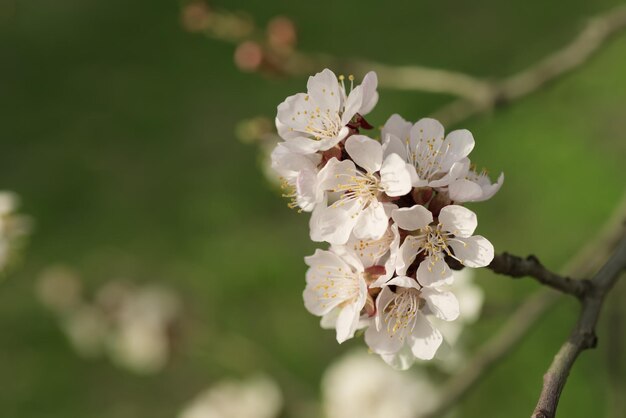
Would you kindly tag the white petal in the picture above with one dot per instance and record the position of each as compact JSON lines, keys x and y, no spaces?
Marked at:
{"x":365,"y":152}
{"x":370,"y":95}
{"x":323,"y":88}
{"x":474,"y":251}
{"x":381,"y":342}
{"x":464,"y":190}
{"x":407,"y":253}
{"x":347,"y":322}
{"x":436,"y":274}
{"x":372,"y":222}
{"x":426,"y":129}
{"x":352,"y":105}
{"x":334,"y":224}
{"x":413,"y":218}
{"x":393,"y":145}
{"x":403,"y":281}
{"x":444,"y":305}
{"x":397,"y":127}
{"x":307,"y":190}
{"x":329,"y":321}
{"x":335,"y":173}
{"x":458,"y":145}
{"x":302,"y":145}
{"x":459,"y":220}
{"x":395,"y":176}
{"x":425,"y":340}
{"x":402,"y":360}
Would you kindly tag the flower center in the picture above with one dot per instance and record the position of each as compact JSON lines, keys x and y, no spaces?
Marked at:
{"x":336,"y":283}
{"x":427,"y":156}
{"x":323,"y":125}
{"x":364,"y":187}
{"x":400,"y":312}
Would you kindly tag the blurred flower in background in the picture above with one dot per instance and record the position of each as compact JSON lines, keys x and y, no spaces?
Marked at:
{"x":362,"y":385}
{"x":14,"y":228}
{"x":255,"y":397}
{"x":131,"y":324}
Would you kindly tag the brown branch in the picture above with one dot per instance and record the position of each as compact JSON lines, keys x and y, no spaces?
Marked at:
{"x":516,"y":267}
{"x":583,"y":335}
{"x":595,"y":34}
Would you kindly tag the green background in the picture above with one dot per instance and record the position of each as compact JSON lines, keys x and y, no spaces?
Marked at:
{"x":117,"y":128}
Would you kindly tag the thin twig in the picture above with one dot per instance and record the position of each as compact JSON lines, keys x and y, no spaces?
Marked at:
{"x":514,"y":266}
{"x":583,"y":335}
{"x":595,"y":34}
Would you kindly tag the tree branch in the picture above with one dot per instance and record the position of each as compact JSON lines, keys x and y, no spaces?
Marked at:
{"x":583,"y":335}
{"x":516,"y":267}
{"x":595,"y":34}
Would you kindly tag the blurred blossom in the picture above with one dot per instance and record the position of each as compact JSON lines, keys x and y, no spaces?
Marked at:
{"x":86,"y":328}
{"x":281,"y":33}
{"x":248,"y":56}
{"x":256,"y":397}
{"x":140,"y":340}
{"x":13,"y":228}
{"x":196,"y":16}
{"x":131,"y":324}
{"x":59,"y":289}
{"x":362,"y":385}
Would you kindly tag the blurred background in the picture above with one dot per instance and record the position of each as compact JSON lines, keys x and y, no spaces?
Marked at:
{"x":163,"y":269}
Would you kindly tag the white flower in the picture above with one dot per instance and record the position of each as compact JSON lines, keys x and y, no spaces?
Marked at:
{"x":358,"y":208}
{"x":299,"y":177}
{"x":336,"y":290}
{"x":451,"y":236}
{"x":256,"y":397}
{"x":361,"y":385}
{"x":401,"y":331}
{"x":437,"y":161}
{"x":474,"y":187}
{"x":317,"y":120}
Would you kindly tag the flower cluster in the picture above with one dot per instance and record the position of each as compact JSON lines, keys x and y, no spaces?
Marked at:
{"x":390,"y":210}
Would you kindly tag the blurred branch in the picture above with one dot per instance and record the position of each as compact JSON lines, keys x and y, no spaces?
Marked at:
{"x":516,"y":267}
{"x":595,"y":34}
{"x":273,"y":51}
{"x":583,"y":335}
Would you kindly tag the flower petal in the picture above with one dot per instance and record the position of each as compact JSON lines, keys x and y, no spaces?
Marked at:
{"x":372,"y":222}
{"x":398,"y":127}
{"x":474,"y":251}
{"x":413,"y":218}
{"x":407,"y":253}
{"x":402,"y":360}
{"x":426,"y":129}
{"x":425,"y":339}
{"x":434,"y":273}
{"x":365,"y":152}
{"x":323,"y":88}
{"x":395,"y":176}
{"x":393,"y":145}
{"x":459,"y":220}
{"x":370,"y":95}
{"x":334,"y":224}
{"x":457,"y":145}
{"x":463,"y":190}
{"x":347,"y":322}
{"x":444,"y":305}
